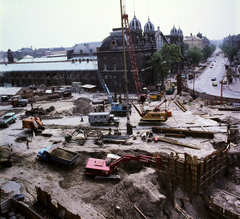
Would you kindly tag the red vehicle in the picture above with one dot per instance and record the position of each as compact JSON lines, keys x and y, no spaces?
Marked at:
{"x":99,"y":167}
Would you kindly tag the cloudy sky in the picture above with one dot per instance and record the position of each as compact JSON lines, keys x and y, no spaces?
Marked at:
{"x":56,"y":23}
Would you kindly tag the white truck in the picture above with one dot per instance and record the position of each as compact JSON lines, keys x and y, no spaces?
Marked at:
{"x":102,"y":118}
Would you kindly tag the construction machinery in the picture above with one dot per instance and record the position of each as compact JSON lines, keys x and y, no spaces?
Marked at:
{"x":155,"y":115}
{"x":33,"y":123}
{"x":170,"y":89}
{"x":57,"y":155}
{"x":39,"y":111}
{"x":118,"y":109}
{"x":99,"y":167}
{"x":77,"y":135}
{"x":157,"y":95}
{"x":18,"y":101}
{"x":142,"y":96}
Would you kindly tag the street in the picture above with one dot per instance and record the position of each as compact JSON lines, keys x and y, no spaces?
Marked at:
{"x":216,"y":68}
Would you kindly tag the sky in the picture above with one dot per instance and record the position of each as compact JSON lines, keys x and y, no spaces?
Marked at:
{"x":56,"y":23}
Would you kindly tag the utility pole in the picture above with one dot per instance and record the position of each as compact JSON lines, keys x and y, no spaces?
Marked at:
{"x":129,"y":126}
{"x":221,"y":91}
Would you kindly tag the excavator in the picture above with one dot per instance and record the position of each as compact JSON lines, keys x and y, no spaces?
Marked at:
{"x":154,"y":115}
{"x":99,"y":167}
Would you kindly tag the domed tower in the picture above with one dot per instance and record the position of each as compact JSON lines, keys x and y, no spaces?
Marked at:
{"x":174,"y":36}
{"x":136,"y":30}
{"x":199,"y":35}
{"x":174,"y":31}
{"x":149,"y":32}
{"x":10,"y":56}
{"x":180,"y":34}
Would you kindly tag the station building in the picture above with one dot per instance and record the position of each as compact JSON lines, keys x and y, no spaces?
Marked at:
{"x":83,"y":60}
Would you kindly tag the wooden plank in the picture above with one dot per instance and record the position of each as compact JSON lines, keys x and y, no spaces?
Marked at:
{"x":170,"y":141}
{"x":140,"y":212}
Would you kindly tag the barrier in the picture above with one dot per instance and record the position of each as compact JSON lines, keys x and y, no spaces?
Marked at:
{"x":205,"y":96}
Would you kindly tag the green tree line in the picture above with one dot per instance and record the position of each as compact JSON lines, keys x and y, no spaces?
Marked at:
{"x":162,"y":60}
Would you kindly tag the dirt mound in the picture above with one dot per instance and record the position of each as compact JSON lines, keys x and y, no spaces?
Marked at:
{"x":135,"y":191}
{"x":82,"y":106}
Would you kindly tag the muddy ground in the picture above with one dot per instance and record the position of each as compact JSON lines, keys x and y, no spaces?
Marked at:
{"x":140,"y":187}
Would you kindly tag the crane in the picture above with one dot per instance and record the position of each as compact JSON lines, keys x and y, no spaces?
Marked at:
{"x":118,"y":109}
{"x":142,"y":97}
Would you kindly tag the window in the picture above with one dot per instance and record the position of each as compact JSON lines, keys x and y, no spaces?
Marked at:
{"x":105,"y":67}
{"x":106,"y":77}
{"x":81,"y":51}
{"x":114,"y":67}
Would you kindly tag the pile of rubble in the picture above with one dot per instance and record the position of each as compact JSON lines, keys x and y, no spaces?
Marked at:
{"x":82,"y":106}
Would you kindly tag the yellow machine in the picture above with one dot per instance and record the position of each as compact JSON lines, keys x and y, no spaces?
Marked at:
{"x":154,"y":115}
{"x":156,"y":95}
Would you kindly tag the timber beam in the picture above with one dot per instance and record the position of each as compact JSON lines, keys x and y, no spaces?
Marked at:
{"x":192,"y":133}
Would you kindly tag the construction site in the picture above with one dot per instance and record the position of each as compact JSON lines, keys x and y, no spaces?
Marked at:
{"x":172,"y":153}
{"x":184,"y":167}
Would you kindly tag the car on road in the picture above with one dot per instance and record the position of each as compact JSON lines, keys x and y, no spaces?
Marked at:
{"x":214,"y":83}
{"x":224,"y":81}
{"x":213,"y":78}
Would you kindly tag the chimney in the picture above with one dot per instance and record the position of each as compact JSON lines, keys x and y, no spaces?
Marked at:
{"x":190,"y":34}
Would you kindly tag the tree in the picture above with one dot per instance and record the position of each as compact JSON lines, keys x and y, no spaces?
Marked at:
{"x":195,"y":55}
{"x":161,"y":60}
{"x":208,"y":51}
{"x":230,"y":51}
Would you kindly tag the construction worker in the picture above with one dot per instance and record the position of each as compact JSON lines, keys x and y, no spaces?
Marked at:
{"x":27,"y":143}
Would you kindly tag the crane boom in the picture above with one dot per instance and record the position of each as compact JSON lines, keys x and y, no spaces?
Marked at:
{"x":132,"y":55}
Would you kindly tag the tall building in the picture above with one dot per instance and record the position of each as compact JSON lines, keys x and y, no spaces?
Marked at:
{"x":110,"y":55}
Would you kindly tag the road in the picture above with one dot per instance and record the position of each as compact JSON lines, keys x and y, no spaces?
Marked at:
{"x":215,"y":68}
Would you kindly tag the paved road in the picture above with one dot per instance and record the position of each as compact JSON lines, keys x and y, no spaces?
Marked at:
{"x":215,"y":68}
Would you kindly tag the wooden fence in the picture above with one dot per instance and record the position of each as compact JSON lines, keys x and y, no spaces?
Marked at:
{"x":55,"y":208}
{"x":196,"y":175}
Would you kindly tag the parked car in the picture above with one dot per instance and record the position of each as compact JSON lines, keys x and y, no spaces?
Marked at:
{"x":7,"y":119}
{"x":214,"y":83}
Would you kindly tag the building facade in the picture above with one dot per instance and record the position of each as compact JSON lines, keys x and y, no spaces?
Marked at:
{"x":110,"y":55}
{"x":194,"y":41}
